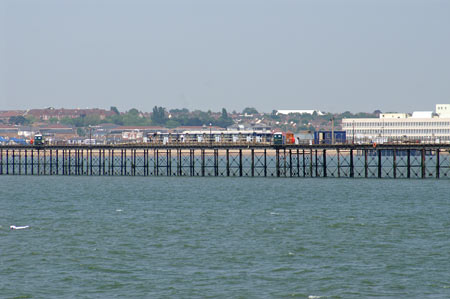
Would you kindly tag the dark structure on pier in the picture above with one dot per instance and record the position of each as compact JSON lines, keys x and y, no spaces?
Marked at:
{"x":345,"y":161}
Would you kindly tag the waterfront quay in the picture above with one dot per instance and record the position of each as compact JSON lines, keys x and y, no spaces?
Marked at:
{"x":226,"y":160}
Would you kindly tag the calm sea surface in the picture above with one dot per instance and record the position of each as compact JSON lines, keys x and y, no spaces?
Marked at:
{"x":106,"y":237}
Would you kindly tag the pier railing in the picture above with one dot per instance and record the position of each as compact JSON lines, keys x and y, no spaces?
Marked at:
{"x":252,"y":160}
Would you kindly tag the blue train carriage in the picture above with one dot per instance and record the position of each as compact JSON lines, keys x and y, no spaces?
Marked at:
{"x":38,"y":140}
{"x":278,"y":138}
{"x":325,"y":137}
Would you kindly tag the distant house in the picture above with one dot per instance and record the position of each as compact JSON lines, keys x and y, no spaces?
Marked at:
{"x":6,"y":115}
{"x":49,"y":113}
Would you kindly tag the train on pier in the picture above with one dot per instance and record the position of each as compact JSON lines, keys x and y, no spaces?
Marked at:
{"x":38,"y":140}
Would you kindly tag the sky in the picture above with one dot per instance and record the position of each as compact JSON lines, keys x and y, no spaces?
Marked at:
{"x":330,"y":55}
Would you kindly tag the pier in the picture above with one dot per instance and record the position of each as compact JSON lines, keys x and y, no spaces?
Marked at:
{"x":227,"y":160}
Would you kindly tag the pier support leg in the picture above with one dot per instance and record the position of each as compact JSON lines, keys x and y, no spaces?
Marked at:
{"x":20,"y":161}
{"x":133,"y":164}
{"x":90,"y":161}
{"x":81,"y":162}
{"x":324,"y":157}
{"x":69,"y":162}
{"x":240,"y":162}
{"x":13,"y":162}
{"x":290,"y":162}
{"x":304,"y":163}
{"x":228,"y":162}
{"x":100,"y":162}
{"x":26,"y":162}
{"x":316,"y":159}
{"x":366,"y":165}
{"x":157,"y":162}
{"x":438,"y":163}
{"x":121,"y":162}
{"x":408,"y":164}
{"x":278,"y":162}
{"x":169,"y":162}
{"x":379,"y":164}
{"x":352,"y":168}
{"x":423,"y":166}
{"x":191,"y":162}
{"x":203,"y":162}
{"x":38,"y":162}
{"x":265,"y":162}
{"x":103,"y":162}
{"x":51,"y":161}
{"x":394,"y":162}
{"x":112,"y":162}
{"x":216,"y":162}
{"x":178,"y":162}
{"x":64,"y":162}
{"x":338,"y":163}
{"x":253,"y":163}
{"x":125,"y":162}
{"x":44,"y":152}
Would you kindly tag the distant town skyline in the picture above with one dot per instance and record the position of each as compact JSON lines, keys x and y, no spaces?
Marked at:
{"x":431,"y":108}
{"x":332,"y":56}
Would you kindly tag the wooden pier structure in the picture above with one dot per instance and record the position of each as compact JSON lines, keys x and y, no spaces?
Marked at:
{"x":250,"y":160}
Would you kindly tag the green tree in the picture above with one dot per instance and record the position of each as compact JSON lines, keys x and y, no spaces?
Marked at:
{"x":224,"y":120}
{"x":31,"y":119}
{"x":172,"y":123}
{"x":134,"y":118}
{"x":224,"y":113}
{"x":81,"y":132}
{"x":18,"y":120}
{"x":184,"y":110}
{"x":134,"y":112}
{"x":115,"y":110}
{"x":53,"y":120}
{"x":249,"y":110}
{"x":159,"y":115}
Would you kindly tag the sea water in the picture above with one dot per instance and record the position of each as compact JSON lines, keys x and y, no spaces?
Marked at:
{"x":173,"y":237}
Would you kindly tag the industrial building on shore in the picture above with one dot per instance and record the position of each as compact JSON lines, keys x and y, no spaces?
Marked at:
{"x":421,"y":126}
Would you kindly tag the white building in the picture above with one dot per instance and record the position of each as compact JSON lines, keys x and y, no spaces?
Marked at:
{"x":299,"y":112}
{"x":421,"y":126}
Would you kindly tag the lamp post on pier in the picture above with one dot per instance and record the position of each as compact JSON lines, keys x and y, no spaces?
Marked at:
{"x":90,"y":135}
{"x":332,"y":131}
{"x":210,"y":134}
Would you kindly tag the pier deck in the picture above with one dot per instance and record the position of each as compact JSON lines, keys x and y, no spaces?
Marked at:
{"x":248,"y":159}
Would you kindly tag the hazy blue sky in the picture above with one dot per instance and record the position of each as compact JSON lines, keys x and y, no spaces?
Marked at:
{"x":356,"y":55}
